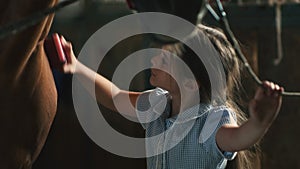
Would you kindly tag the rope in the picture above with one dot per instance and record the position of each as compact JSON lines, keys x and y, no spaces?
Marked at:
{"x":24,"y":23}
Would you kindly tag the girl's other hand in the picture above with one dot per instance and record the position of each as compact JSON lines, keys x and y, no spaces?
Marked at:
{"x":265,"y":105}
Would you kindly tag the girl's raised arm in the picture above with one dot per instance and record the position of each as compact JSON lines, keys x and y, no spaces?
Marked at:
{"x":107,"y":94}
{"x":263,"y":109}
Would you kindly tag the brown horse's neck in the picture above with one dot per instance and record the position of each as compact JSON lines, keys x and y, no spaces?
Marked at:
{"x":28,"y":96}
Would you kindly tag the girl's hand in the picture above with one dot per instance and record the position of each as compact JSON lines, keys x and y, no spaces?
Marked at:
{"x":70,"y":65}
{"x":266,"y":103}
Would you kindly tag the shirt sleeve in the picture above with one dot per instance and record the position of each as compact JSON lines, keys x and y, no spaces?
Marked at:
{"x":150,"y":106}
{"x":216,"y":119}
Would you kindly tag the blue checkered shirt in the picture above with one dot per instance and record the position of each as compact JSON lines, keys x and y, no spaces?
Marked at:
{"x":186,"y":141}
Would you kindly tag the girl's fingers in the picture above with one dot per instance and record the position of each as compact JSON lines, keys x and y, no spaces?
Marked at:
{"x":67,"y":46}
{"x":268,"y":89}
{"x":277,"y":90}
{"x":277,"y":87}
{"x":266,"y":86}
{"x":281,"y":89}
{"x":272,"y":89}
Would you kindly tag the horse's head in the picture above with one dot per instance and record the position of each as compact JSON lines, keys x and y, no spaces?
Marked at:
{"x":186,"y":9}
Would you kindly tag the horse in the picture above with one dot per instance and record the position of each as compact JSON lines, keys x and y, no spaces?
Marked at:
{"x":28,"y":97}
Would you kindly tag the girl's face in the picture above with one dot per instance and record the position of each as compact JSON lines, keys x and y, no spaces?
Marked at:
{"x":161,"y":65}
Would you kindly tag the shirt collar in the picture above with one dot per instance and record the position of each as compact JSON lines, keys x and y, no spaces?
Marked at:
{"x":191,"y":113}
{"x":163,"y":108}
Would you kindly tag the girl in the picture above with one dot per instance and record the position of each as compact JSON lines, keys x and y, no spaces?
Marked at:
{"x":187,"y":127}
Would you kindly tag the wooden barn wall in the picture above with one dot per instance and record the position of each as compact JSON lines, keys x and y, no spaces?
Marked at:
{"x":69,"y":147}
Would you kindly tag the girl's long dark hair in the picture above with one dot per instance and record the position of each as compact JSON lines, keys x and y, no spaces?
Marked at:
{"x":246,"y":159}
